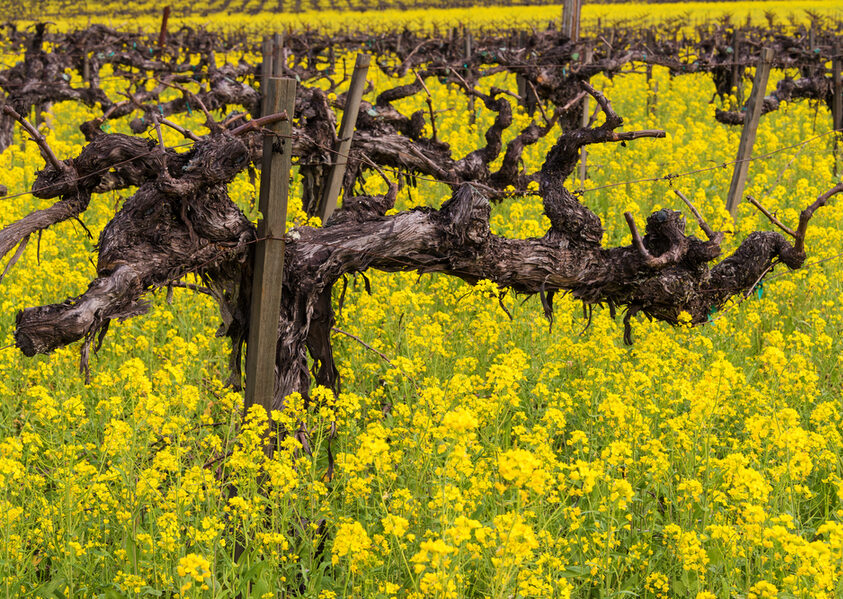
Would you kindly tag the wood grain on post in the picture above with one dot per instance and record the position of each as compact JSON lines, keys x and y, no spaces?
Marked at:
{"x":650,"y":102}
{"x":837,"y":103}
{"x":349,"y":120}
{"x":472,"y":112}
{"x":586,"y":108}
{"x":266,"y":72}
{"x":571,"y":19}
{"x":162,"y":36}
{"x":737,"y":72}
{"x":837,"y":106}
{"x":279,"y":56}
{"x":520,"y":80}
{"x":269,"y":249}
{"x":521,"y":88}
{"x":750,"y":127}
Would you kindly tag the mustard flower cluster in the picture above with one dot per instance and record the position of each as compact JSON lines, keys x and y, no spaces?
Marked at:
{"x":489,"y":456}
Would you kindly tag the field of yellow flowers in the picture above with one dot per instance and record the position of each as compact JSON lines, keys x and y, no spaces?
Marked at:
{"x":485,"y":457}
{"x":267,"y":16}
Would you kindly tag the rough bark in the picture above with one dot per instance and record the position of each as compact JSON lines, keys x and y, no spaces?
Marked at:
{"x":181,"y":221}
{"x":813,"y":88}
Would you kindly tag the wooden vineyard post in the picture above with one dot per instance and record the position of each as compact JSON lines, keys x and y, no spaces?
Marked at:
{"x":750,"y":127}
{"x":586,"y":108}
{"x":532,"y":99}
{"x":266,"y":72}
{"x":571,"y":19}
{"x":651,"y":92}
{"x":655,"y":101}
{"x":526,"y":94}
{"x":472,"y":111}
{"x":521,"y":88}
{"x":349,"y":120}
{"x":837,"y":104}
{"x":586,"y":105}
{"x":737,"y":71}
{"x":162,"y":35}
{"x":812,"y":38}
{"x":279,"y":55}
{"x":520,"y":80}
{"x":269,"y":248}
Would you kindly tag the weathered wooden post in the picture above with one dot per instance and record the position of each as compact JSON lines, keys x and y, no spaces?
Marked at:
{"x":526,"y":93}
{"x":532,"y":99}
{"x":280,"y":95}
{"x":266,"y":72}
{"x":521,"y":88}
{"x":586,"y":107}
{"x":349,"y":120}
{"x":467,"y":50}
{"x":650,"y":103}
{"x":737,"y":70}
{"x":571,"y":19}
{"x":162,"y":35}
{"x":750,"y":127}
{"x":654,"y":104}
{"x":836,"y":105}
{"x":279,"y":55}
{"x":520,"y":80}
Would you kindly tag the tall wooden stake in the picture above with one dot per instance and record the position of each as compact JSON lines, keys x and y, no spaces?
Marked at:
{"x":521,"y":88}
{"x":586,"y":107}
{"x":571,"y":19}
{"x":279,"y":55}
{"x":266,"y":72}
{"x":472,"y":111}
{"x":269,"y":249}
{"x":650,"y":102}
{"x":349,"y":120}
{"x":162,"y":36}
{"x":837,"y":104}
{"x":737,"y":71}
{"x":520,"y":80}
{"x":750,"y":127}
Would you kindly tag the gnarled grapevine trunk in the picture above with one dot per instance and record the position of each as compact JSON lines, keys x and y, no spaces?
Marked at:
{"x":181,"y":221}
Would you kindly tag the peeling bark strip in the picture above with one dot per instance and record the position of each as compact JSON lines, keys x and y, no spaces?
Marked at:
{"x":181,"y":220}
